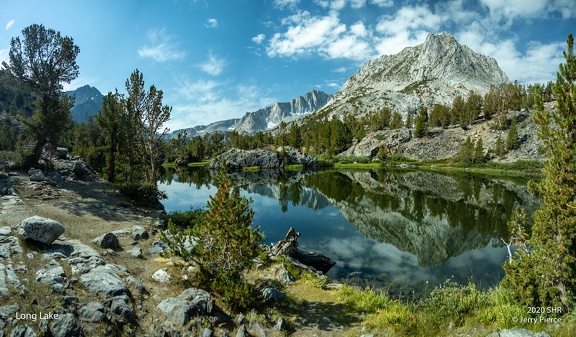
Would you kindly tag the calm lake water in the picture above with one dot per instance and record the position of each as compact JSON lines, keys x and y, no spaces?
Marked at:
{"x":401,"y":231}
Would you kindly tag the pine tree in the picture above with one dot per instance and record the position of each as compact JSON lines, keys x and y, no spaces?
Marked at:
{"x":544,"y":272}
{"x":409,"y":119}
{"x":499,"y":147}
{"x":512,"y":137}
{"x":421,"y":128}
{"x":396,"y":122}
{"x":225,"y":244}
{"x":479,"y":152}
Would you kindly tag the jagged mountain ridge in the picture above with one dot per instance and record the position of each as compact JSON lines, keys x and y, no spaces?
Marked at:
{"x":266,"y":118}
{"x":433,"y":72}
{"x":87,"y":102}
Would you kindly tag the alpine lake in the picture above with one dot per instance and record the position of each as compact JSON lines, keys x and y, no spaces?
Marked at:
{"x":401,"y":231}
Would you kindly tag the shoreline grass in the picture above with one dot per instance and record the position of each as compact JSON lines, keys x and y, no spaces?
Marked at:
{"x":199,"y":163}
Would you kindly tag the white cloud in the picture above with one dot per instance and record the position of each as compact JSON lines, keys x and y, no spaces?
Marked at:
{"x":382,"y":3}
{"x":258,"y":39}
{"x":214,"y":65}
{"x":340,"y":70}
{"x":326,"y":35}
{"x":286,"y":3}
{"x":207,"y":101}
{"x":409,"y":19}
{"x":305,"y":34}
{"x":160,"y":47}
{"x":212,"y":23}
{"x":538,"y":64}
{"x":511,"y":9}
{"x":4,"y":55}
{"x":9,"y":24}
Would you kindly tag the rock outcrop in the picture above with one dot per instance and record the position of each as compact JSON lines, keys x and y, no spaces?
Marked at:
{"x":262,"y":158}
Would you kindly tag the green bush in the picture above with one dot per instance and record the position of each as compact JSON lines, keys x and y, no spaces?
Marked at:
{"x":451,"y":301}
{"x":143,"y":194}
{"x":187,"y":218}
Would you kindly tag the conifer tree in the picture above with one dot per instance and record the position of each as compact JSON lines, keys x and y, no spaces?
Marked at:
{"x":544,"y":272}
{"x":409,"y":119}
{"x":420,"y":130}
{"x":499,"y":147}
{"x":479,"y":152}
{"x":512,"y":137}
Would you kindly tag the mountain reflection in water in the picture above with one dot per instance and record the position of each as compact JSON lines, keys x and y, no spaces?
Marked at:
{"x":402,"y":231}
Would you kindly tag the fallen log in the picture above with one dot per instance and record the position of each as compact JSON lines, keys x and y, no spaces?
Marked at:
{"x":289,"y":247}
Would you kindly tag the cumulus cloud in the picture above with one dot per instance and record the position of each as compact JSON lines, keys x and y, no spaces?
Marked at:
{"x":212,"y":23}
{"x":160,"y":47}
{"x":214,"y":65}
{"x":286,"y":3}
{"x":258,"y":39}
{"x":9,"y":24}
{"x":512,"y":9}
{"x":206,"y":101}
{"x":538,"y":64}
{"x":325,"y":35}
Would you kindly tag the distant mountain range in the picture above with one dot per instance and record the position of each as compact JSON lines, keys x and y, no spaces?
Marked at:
{"x":88,"y":101}
{"x":266,"y":118}
{"x":434,"y":72}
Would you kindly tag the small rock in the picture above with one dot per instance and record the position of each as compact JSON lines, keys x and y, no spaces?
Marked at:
{"x":257,"y":329}
{"x":279,"y":324}
{"x":93,"y":312}
{"x":23,"y":331}
{"x":38,"y":176}
{"x":41,"y":229}
{"x":206,"y":333}
{"x":65,"y":325}
{"x":136,"y":252}
{"x":133,"y":282}
{"x":109,"y":240}
{"x":139,"y":233}
{"x":272,"y":294}
{"x":158,"y":247}
{"x":162,"y":276}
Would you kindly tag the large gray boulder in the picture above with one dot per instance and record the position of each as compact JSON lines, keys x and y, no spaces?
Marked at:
{"x":104,"y":280}
{"x":41,"y":229}
{"x":190,"y":303}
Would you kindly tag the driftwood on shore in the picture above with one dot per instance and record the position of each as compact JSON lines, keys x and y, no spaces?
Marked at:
{"x":289,"y":247}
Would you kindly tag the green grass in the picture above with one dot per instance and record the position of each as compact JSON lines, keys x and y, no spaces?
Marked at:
{"x":449,"y":309}
{"x":169,"y":165}
{"x":294,"y":167}
{"x":199,"y":163}
{"x":251,"y":168}
{"x":362,"y":166}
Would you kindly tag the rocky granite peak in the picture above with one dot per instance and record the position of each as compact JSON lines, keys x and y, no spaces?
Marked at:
{"x":433,"y":72}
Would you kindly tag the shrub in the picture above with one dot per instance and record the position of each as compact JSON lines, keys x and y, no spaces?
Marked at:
{"x":223,"y":245}
{"x":186,"y":219}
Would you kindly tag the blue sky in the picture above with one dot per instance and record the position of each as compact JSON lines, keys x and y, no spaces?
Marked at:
{"x":219,"y":59}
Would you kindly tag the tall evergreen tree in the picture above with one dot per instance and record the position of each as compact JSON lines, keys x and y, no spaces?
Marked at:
{"x":544,"y":272}
{"x":512,"y":137}
{"x":44,"y":60}
{"x":109,"y":120}
{"x":421,"y":128}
